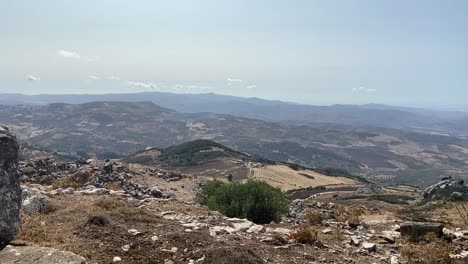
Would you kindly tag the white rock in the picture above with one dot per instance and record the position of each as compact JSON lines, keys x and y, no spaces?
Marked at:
{"x":35,"y":204}
{"x":133,"y":232}
{"x":394,"y":260}
{"x":126,"y":248}
{"x":69,"y":191}
{"x":327,"y":231}
{"x":242,"y":226}
{"x":218,"y":230}
{"x":256,"y":229}
{"x":369,"y":246}
{"x":117,"y":259}
{"x":95,"y":191}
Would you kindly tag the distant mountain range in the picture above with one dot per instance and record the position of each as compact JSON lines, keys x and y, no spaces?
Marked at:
{"x":356,"y":115}
{"x":118,"y":129}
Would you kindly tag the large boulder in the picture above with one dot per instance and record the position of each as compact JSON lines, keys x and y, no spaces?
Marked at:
{"x":10,"y":190}
{"x":416,"y":231}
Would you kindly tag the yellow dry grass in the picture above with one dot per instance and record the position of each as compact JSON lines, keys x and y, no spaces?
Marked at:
{"x":285,"y":178}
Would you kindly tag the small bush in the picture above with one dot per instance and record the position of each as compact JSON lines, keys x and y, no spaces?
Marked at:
{"x":314,"y":218}
{"x":305,"y":234}
{"x":436,"y":251}
{"x":254,"y":200}
{"x":97,"y":220}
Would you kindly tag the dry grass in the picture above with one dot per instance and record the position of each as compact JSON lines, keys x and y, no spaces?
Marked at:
{"x":108,"y":203}
{"x":463,"y":212}
{"x":436,"y":251}
{"x":314,"y":218}
{"x":305,"y":234}
{"x":286,"y":179}
{"x":344,"y":214}
{"x":115,"y":186}
{"x":75,"y":181}
{"x":37,"y":229}
{"x":338,"y":234}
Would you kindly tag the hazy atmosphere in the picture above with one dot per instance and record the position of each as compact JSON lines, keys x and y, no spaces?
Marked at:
{"x":234,"y":132}
{"x":409,"y":53}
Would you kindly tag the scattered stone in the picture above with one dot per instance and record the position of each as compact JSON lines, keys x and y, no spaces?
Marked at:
{"x":69,"y":191}
{"x":371,"y":247}
{"x":35,"y":204}
{"x":38,"y":255}
{"x":394,"y":260}
{"x":126,"y":248}
{"x":327,"y":231}
{"x":355,"y":241}
{"x":134,"y":232}
{"x":116,"y":259}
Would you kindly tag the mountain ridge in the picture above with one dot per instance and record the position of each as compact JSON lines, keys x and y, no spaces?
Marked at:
{"x":268,"y":110}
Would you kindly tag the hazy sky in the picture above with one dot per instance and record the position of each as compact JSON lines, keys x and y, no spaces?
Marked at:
{"x":404,"y":52}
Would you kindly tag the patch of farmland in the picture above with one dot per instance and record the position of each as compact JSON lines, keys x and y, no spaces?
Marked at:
{"x":286,"y":179}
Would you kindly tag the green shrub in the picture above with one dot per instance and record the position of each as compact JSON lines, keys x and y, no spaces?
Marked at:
{"x":254,"y":200}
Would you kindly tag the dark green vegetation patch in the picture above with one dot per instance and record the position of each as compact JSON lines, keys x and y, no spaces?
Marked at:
{"x":254,"y":200}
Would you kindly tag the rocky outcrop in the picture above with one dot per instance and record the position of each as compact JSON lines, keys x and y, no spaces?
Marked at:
{"x":369,"y":189}
{"x":447,"y":189}
{"x":10,"y":191}
{"x":38,"y":255}
{"x":94,"y":177}
{"x":416,"y":231}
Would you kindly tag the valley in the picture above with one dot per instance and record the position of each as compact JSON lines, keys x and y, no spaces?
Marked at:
{"x":119,"y":129}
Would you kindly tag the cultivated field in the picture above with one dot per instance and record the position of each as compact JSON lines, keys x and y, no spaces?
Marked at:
{"x":286,"y":179}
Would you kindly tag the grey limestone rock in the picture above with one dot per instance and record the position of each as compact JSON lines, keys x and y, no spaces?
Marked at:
{"x":10,"y":191}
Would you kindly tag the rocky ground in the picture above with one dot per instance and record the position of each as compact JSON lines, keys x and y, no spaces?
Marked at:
{"x":113,"y":212}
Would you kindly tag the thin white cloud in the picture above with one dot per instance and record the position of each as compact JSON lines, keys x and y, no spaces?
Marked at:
{"x":113,"y":78}
{"x":362,"y":89}
{"x":33,"y":78}
{"x":190,"y":88}
{"x":251,"y":86}
{"x":146,"y":85}
{"x":94,"y":77}
{"x":69,"y":54}
{"x":232,"y":80}
{"x":75,"y":55}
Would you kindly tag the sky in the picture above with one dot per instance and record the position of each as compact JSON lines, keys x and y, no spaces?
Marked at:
{"x":399,"y":52}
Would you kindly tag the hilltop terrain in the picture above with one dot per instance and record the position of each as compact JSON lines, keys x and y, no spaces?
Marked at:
{"x":118,"y":212}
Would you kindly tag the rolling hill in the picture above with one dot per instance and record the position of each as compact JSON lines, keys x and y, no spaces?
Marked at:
{"x":119,"y":129}
{"x":209,"y":159}
{"x":268,"y":110}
